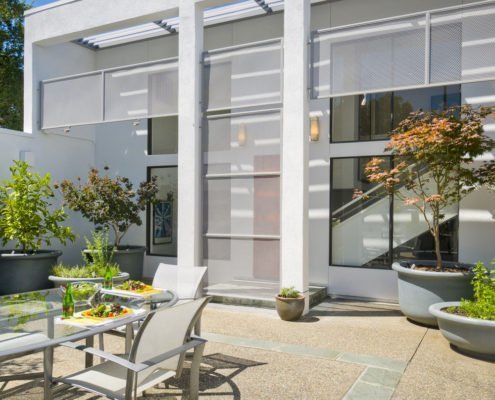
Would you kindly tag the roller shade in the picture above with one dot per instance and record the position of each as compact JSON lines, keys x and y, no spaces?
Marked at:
{"x":118,"y":94}
{"x":447,"y":46}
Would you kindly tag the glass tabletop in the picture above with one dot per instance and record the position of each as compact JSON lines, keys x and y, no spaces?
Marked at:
{"x":32,"y":321}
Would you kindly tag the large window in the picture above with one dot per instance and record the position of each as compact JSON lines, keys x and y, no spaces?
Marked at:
{"x":162,"y":216}
{"x":378,"y":231}
{"x":374,"y":116}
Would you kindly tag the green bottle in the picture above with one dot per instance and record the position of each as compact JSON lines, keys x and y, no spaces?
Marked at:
{"x":108,"y":278}
{"x":68,"y":302}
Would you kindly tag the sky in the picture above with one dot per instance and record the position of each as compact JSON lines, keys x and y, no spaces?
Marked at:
{"x":37,"y":3}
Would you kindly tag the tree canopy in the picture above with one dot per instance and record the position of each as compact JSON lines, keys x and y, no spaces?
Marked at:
{"x":11,"y":62}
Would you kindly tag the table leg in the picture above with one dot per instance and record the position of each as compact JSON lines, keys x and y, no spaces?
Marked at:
{"x":48,"y":372}
{"x":90,"y":340}
{"x":129,"y":334}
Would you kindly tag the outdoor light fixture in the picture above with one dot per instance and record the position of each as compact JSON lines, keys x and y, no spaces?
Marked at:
{"x":135,"y":123}
{"x":67,"y":130}
{"x":363,"y":102}
{"x":242,"y":135}
{"x":314,"y":129}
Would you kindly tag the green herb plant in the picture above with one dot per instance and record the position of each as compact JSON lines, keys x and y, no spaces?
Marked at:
{"x":83,"y":271}
{"x":27,"y":215}
{"x":289,"y":292}
{"x":99,"y":251}
{"x":483,"y":304}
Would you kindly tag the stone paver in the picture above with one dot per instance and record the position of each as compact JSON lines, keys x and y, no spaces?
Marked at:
{"x":339,"y":351}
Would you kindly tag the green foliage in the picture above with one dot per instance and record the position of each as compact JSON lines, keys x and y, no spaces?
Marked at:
{"x":110,"y":202}
{"x":28,"y":217}
{"x":11,"y":63}
{"x":99,"y":252}
{"x":289,"y":292}
{"x":445,"y":145}
{"x":84,"y":271}
{"x":483,"y":304}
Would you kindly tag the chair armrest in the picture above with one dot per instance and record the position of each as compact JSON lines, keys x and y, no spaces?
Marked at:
{"x":136,"y":367}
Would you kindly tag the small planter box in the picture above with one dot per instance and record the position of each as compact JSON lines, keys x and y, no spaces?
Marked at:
{"x":59,"y":281}
{"x":470,"y":335}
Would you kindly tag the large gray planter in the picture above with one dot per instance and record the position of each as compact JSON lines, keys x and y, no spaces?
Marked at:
{"x":59,"y":281}
{"x":130,"y":259}
{"x":470,"y":335}
{"x":26,"y":272}
{"x":418,"y":290}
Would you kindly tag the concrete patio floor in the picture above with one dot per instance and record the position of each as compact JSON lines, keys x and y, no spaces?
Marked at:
{"x":341,"y":350}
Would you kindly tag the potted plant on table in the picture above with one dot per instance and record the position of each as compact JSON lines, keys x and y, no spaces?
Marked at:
{"x":290,"y":304}
{"x":93,"y":270}
{"x":29,"y":219}
{"x":112,"y":203}
{"x":434,"y":168}
{"x":469,"y":325}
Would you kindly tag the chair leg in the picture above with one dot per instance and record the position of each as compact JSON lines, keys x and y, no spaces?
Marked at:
{"x":197,"y":327}
{"x":196,"y":363}
{"x":101,"y":345}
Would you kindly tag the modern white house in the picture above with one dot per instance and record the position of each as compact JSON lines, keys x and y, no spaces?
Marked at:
{"x":257,"y":117}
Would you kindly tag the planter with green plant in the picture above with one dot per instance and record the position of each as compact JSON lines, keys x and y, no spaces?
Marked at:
{"x":95,"y":264}
{"x":290,"y":304}
{"x":29,"y":220}
{"x":469,"y":325}
{"x":433,"y":169}
{"x":113,"y":204}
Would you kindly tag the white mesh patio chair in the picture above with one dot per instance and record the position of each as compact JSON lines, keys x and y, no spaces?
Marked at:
{"x":157,"y":354}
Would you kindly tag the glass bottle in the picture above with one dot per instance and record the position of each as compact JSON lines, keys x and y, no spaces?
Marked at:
{"x":107,"y":278}
{"x":68,"y":302}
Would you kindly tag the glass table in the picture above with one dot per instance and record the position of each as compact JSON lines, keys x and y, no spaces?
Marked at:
{"x":29,"y":322}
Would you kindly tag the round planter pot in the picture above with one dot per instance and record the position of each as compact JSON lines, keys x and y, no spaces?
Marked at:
{"x":290,"y":309}
{"x":130,"y":259}
{"x":472,"y":336}
{"x":59,"y":281}
{"x":418,"y":290}
{"x":26,"y":272}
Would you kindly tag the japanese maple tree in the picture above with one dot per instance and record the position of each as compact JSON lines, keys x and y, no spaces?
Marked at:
{"x":434,"y":162}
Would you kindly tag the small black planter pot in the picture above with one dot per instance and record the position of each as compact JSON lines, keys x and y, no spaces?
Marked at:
{"x":26,"y":272}
{"x":418,"y":290}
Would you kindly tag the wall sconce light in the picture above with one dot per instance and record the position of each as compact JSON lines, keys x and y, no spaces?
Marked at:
{"x":135,"y":123}
{"x":363,"y":102}
{"x":242,"y":135}
{"x":67,"y":130}
{"x":314,"y":129}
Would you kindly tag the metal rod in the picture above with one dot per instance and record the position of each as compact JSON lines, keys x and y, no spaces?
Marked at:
{"x":243,"y":113}
{"x":243,"y":46}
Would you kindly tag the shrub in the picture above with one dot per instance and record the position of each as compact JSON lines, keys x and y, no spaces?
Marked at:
{"x":28,"y":217}
{"x":109,"y":202}
{"x":483,"y":304}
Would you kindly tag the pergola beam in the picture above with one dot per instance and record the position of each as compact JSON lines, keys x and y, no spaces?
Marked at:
{"x":264,"y":6}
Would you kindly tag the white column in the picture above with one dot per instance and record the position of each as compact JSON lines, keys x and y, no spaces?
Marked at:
{"x":189,"y":244}
{"x":295,"y":148}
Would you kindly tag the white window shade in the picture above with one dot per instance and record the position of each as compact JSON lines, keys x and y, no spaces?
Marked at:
{"x":454,"y":45}
{"x":134,"y":92}
{"x":141,"y":92}
{"x":369,"y":58}
{"x":72,"y":101}
{"x":243,"y":76}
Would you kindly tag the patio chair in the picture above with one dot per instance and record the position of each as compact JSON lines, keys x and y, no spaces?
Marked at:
{"x":184,"y":281}
{"x":157,"y":354}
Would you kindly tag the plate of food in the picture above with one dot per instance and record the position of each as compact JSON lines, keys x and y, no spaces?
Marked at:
{"x":106,"y":312}
{"x":134,"y":288}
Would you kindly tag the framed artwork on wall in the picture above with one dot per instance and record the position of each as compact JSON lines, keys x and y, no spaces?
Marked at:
{"x":163,"y":222}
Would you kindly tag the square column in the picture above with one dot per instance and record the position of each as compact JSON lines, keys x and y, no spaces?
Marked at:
{"x":294,"y":268}
{"x":190,"y":227}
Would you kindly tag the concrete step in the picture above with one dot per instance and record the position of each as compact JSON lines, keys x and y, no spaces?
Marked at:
{"x":256,"y":293}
